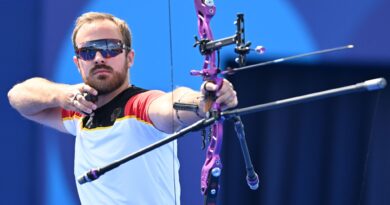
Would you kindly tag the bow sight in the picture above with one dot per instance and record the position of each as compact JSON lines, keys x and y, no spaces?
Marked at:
{"x":207,"y":46}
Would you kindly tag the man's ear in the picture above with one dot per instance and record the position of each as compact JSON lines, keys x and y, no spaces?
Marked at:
{"x":76,"y":62}
{"x":130,"y":58}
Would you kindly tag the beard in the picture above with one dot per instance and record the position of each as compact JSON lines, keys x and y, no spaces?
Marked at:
{"x":105,"y":84}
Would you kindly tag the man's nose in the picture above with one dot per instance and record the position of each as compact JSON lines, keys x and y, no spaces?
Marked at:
{"x":99,"y":59}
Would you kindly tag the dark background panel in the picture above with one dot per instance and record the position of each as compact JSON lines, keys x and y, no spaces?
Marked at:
{"x":331,"y":151}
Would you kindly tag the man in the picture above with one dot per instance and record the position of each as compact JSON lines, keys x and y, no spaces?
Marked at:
{"x":122,"y":119}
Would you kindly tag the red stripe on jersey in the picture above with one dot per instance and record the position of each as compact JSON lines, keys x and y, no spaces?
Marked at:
{"x":138,"y":105}
{"x":69,"y":114}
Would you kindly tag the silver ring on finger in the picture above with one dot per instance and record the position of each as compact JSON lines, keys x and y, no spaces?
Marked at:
{"x":74,"y":100}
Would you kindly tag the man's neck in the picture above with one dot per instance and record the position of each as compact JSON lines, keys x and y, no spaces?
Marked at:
{"x":104,"y":99}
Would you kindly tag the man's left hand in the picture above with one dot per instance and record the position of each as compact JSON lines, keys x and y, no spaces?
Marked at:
{"x":226,"y":96}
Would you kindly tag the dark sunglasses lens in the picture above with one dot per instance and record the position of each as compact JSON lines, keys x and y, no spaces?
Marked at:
{"x":107,"y":47}
{"x":87,"y":54}
{"x":108,"y":53}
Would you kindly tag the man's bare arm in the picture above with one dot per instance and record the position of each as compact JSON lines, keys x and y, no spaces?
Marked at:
{"x":166,"y":119}
{"x":41,"y":100}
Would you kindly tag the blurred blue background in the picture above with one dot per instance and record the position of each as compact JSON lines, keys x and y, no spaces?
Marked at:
{"x":331,"y":152}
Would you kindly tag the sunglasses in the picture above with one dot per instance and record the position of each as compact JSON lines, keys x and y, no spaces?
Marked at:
{"x":108,"y":48}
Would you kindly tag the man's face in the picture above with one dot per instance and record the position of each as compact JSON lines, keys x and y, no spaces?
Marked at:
{"x":103,"y":74}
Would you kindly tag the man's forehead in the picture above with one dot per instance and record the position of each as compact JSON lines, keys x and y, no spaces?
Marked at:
{"x":99,"y":29}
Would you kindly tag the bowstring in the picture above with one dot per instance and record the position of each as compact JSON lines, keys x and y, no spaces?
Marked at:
{"x":172,"y":87}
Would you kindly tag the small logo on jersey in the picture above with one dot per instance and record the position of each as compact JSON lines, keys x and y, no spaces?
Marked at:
{"x":115,"y":114}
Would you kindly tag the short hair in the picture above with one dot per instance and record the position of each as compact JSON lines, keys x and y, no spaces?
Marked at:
{"x":90,"y":17}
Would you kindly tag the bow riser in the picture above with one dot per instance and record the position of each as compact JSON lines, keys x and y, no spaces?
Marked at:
{"x":212,"y":167}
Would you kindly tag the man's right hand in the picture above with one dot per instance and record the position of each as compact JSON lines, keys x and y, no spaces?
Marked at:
{"x":74,"y":98}
{"x":41,"y":100}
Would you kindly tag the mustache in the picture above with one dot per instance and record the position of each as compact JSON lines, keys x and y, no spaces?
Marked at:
{"x":96,"y":67}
